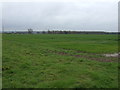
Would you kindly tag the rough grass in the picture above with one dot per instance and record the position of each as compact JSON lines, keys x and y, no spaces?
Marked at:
{"x":0,"y":61}
{"x":49,"y":61}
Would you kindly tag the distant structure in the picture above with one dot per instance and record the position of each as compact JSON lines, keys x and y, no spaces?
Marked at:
{"x":2,"y":29}
{"x":30,"y":31}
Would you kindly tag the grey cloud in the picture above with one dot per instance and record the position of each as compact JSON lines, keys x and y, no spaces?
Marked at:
{"x":54,"y":15}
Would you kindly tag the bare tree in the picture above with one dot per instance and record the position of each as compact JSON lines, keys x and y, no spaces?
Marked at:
{"x":30,"y":31}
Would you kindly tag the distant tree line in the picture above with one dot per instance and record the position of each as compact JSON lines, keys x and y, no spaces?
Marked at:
{"x":78,"y":32}
{"x":30,"y":31}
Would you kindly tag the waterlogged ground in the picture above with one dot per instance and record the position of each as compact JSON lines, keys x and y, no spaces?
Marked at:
{"x":59,"y":61}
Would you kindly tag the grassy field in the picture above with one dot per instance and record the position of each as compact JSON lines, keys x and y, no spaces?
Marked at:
{"x":59,"y":61}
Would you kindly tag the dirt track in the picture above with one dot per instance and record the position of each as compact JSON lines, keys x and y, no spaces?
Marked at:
{"x":89,"y":56}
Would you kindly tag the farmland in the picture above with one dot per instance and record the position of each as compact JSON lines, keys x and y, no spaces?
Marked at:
{"x":59,"y":61}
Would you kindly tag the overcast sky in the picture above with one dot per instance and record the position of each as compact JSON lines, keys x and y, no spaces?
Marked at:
{"x":75,"y":15}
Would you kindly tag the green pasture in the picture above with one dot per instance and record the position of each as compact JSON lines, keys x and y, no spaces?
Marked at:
{"x":59,"y":61}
